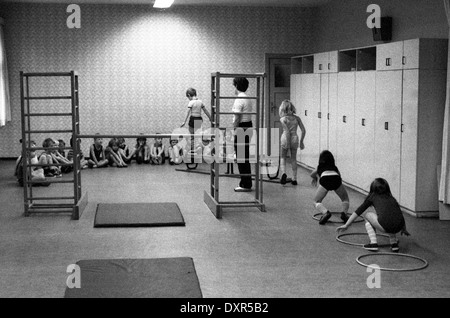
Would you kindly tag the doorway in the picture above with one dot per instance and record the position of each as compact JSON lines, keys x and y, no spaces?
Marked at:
{"x":278,"y":70}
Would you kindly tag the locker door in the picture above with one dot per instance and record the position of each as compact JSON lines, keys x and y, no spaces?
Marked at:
{"x":321,"y":63}
{"x":311,"y":94}
{"x":345,"y":126}
{"x":387,"y":128}
{"x":410,"y":119}
{"x":332,"y":112}
{"x":323,"y":112}
{"x":390,"y":56}
{"x":365,"y":103}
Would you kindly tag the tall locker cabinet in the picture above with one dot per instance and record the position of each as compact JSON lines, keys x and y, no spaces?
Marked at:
{"x":388,"y":117}
{"x":345,"y":126}
{"x":423,"y":113}
{"x":310,"y":101}
{"x":364,"y":134}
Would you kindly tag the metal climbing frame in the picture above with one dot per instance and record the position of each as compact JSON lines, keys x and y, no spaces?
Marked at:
{"x":212,"y":199}
{"x":31,"y":204}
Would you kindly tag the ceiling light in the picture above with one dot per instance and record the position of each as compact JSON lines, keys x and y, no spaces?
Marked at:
{"x":163,"y":4}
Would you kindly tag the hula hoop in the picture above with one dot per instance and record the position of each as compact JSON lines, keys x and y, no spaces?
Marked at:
{"x":317,"y":218}
{"x":425,"y":263}
{"x":338,"y":238}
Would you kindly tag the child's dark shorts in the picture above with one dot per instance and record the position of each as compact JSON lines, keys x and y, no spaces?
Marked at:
{"x":331,"y":183}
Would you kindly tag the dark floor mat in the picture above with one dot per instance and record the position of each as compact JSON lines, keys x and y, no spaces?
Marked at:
{"x":137,"y":278}
{"x":138,"y":215}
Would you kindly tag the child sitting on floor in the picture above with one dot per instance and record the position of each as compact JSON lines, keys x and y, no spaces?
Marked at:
{"x":176,"y":151}
{"x":82,"y":162}
{"x":113,"y":156}
{"x":158,"y":152}
{"x":124,"y":151}
{"x":97,"y":154}
{"x":47,"y":159}
{"x":142,"y":151}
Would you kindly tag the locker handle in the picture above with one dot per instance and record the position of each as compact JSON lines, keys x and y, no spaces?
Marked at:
{"x":329,"y":66}
{"x":363,"y":122}
{"x":386,"y":126}
{"x":402,"y":129}
{"x":388,"y":61}
{"x":320,"y":67}
{"x":344,"y":119}
{"x":404,"y":60}
{"x":328,"y":116}
{"x":306,"y":113}
{"x":319,"y":115}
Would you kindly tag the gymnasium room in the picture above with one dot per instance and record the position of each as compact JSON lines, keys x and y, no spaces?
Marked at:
{"x":224,"y":149}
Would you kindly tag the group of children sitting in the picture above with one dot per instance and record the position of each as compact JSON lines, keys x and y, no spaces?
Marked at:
{"x":118,"y":154}
{"x":57,"y":159}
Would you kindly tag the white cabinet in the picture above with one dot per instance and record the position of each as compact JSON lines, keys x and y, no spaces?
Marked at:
{"x":388,"y":128}
{"x":323,"y":113}
{"x":384,"y":123}
{"x":345,"y":125}
{"x":390,"y":56}
{"x":310,"y":101}
{"x":426,"y":54}
{"x":326,"y":62}
{"x":332,"y":115}
{"x":364,"y":133}
{"x":422,"y":126}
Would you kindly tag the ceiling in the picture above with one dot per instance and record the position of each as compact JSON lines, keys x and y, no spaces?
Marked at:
{"x":277,"y":3}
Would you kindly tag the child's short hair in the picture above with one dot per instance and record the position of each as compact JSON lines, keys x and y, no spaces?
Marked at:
{"x":241,"y":84}
{"x":191,"y":92}
{"x":61,"y":142}
{"x":48,"y":143}
{"x":97,"y":138}
{"x":121,"y":140}
{"x":143,"y":139}
{"x":113,"y":143}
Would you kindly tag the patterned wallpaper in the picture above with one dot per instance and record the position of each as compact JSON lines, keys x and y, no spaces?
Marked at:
{"x":135,"y":63}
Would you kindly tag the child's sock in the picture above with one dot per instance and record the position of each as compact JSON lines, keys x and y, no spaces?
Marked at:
{"x":345,"y":206}
{"x":393,"y":239}
{"x":371,"y":233}
{"x":321,"y":208}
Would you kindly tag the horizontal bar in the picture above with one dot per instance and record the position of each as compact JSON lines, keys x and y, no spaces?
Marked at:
{"x":48,"y":131}
{"x":237,"y":175}
{"x":49,"y":180}
{"x":64,"y":210}
{"x":51,"y":165}
{"x":256,"y":205}
{"x":47,"y":97}
{"x":235,"y":97}
{"x":48,"y":114}
{"x":51,"y":206}
{"x":50,"y":198}
{"x":175,"y":136}
{"x":228,"y":75}
{"x":233,"y":113}
{"x":51,"y":74}
{"x":239,"y":202}
{"x":47,"y":148}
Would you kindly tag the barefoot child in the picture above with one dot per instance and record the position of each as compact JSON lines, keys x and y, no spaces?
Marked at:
{"x":328,"y":178}
{"x":113,"y":156}
{"x":158,"y":152}
{"x":289,"y":139}
{"x":387,"y":219}
{"x":97,"y":154}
